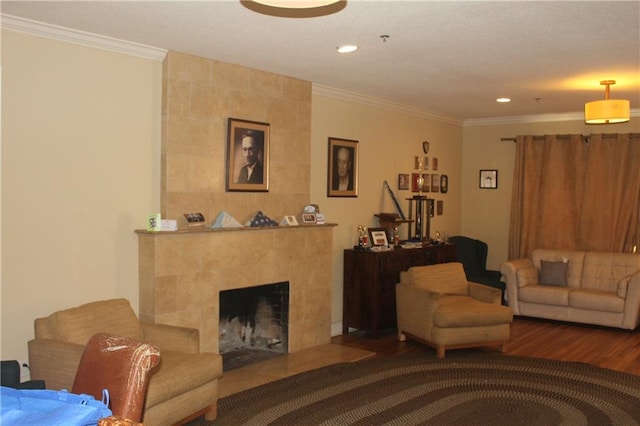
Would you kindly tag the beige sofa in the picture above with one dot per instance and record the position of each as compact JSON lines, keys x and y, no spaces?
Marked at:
{"x":436,"y":305}
{"x":576,"y":286}
{"x":184,"y":384}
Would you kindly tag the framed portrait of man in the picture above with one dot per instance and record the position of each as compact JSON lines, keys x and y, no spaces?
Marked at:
{"x":247,"y":155}
{"x":342,"y":175}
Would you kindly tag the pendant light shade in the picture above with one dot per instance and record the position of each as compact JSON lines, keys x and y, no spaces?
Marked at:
{"x":296,"y":4}
{"x":607,"y":111}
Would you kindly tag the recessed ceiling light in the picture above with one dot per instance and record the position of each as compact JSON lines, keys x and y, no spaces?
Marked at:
{"x":347,"y":48}
{"x":503,"y":100}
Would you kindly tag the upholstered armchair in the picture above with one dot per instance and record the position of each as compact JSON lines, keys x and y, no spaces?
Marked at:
{"x":436,"y":305}
{"x":472,"y":254}
{"x":184,"y":384}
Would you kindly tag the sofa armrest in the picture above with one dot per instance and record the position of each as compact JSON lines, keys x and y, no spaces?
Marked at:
{"x":54,"y":361}
{"x":509,"y":271}
{"x":415,"y":307}
{"x":485,"y":293}
{"x":172,"y":337}
{"x":631,"y":316}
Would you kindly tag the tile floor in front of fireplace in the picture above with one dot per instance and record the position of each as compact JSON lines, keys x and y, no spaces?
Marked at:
{"x":287,"y":365}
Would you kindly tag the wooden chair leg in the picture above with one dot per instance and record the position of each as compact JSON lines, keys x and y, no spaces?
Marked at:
{"x":212,"y":414}
{"x":440,"y":351}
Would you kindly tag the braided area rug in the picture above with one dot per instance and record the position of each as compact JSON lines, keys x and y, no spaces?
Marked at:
{"x":462,"y":389}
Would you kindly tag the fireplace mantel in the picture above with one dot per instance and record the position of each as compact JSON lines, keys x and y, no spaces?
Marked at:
{"x":182,"y":272}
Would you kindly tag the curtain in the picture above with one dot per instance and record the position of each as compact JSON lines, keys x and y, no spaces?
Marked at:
{"x":547,"y":192}
{"x":611,"y":206}
{"x":568,"y":194}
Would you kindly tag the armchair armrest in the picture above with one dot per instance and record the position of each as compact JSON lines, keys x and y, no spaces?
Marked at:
{"x":54,"y":361}
{"x":415,"y":307}
{"x":485,"y":293}
{"x":631,"y":316}
{"x":172,"y":337}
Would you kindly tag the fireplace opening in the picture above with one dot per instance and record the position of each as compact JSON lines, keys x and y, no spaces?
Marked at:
{"x":254,"y":324}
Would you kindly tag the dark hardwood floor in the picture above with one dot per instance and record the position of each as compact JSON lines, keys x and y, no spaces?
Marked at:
{"x":600,"y":346}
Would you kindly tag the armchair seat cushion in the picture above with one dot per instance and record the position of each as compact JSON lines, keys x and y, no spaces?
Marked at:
{"x":596,"y":300}
{"x":463,"y":311}
{"x":178,"y":373}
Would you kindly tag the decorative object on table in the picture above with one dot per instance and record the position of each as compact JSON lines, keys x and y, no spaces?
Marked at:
{"x":391,"y":222}
{"x":403,"y":181}
{"x":420,"y":180}
{"x":154,"y":222}
{"x":309,"y":213}
{"x":395,"y":200}
{"x":342,"y":173}
{"x":435,"y":182}
{"x":289,"y":220}
{"x":225,"y":220}
{"x":378,"y":237}
{"x":488,"y":179}
{"x":194,"y":219}
{"x":168,"y":225}
{"x":247,"y":155}
{"x":444,"y":184}
{"x":260,"y":220}
{"x":421,"y":218}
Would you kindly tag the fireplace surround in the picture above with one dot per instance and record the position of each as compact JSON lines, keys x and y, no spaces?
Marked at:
{"x":182,"y":273}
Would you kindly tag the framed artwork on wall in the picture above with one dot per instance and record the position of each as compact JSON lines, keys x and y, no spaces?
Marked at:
{"x":342,"y":174}
{"x":488,"y":179}
{"x":403,"y":181}
{"x":247,"y":155}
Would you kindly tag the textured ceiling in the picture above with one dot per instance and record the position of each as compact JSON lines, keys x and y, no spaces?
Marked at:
{"x":451,"y":58}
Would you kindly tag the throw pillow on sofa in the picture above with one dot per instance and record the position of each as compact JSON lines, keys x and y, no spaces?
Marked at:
{"x":553,"y":273}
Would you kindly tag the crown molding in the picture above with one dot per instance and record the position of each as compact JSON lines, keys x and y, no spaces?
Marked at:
{"x":536,"y":118}
{"x":55,"y":32}
{"x":318,"y":89}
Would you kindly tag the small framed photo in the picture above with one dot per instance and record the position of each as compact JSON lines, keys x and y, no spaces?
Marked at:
{"x":342,"y":174}
{"x":440,"y":207}
{"x":434,"y":164}
{"x":435,"y":182}
{"x":403,"y":181}
{"x":488,"y":179}
{"x":247,"y":155}
{"x":444,"y":184}
{"x":378,"y":237}
{"x":308,"y":218}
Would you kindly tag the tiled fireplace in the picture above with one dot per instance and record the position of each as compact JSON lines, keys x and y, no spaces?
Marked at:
{"x":182,"y":274}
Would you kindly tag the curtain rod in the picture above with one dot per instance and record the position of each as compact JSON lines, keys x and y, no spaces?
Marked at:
{"x":585,"y":138}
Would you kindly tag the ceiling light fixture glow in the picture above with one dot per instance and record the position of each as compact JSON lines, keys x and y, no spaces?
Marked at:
{"x":503,"y":100}
{"x":347,"y":48}
{"x":295,"y":4}
{"x":607,"y":111}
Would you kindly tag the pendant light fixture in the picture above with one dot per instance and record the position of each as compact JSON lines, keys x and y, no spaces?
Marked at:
{"x":296,"y":4}
{"x":607,"y":111}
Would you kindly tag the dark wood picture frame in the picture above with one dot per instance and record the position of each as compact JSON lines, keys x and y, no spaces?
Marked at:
{"x":343,"y":159}
{"x":255,"y":137}
{"x":378,"y":237}
{"x":403,"y":181}
{"x":488,"y":179}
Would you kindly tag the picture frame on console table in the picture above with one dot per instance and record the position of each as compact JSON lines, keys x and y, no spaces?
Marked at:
{"x":247,"y":156}
{"x":342,"y":173}
{"x":378,"y":237}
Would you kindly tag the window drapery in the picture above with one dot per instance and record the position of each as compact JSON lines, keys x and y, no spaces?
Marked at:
{"x":570,"y":194}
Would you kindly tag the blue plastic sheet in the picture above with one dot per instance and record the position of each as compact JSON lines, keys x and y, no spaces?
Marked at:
{"x":49,"y":407}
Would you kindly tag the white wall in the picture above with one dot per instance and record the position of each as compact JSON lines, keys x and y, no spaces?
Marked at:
{"x":388,"y":140}
{"x":80,"y":172}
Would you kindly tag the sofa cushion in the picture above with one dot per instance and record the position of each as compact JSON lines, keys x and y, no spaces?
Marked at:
{"x":179,"y":372}
{"x":602,"y":271}
{"x":77,"y":325}
{"x":623,"y":284}
{"x":596,"y":300}
{"x":546,"y":295}
{"x":575,"y":259}
{"x":445,"y":278}
{"x":553,"y":273}
{"x":463,"y":311}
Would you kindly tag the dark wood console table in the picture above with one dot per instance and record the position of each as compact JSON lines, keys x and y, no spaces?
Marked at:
{"x":370,"y":278}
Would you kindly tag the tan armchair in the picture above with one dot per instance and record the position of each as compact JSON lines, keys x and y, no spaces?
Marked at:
{"x":436,"y":305}
{"x":183,"y":386}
